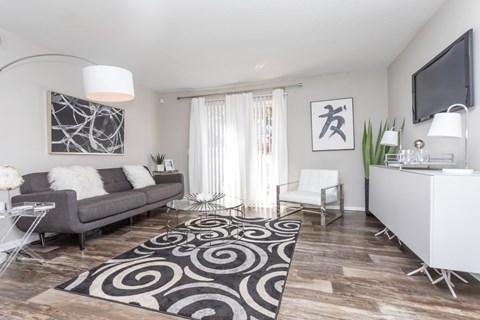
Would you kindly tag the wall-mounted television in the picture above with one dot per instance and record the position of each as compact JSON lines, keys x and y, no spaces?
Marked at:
{"x":445,"y":80}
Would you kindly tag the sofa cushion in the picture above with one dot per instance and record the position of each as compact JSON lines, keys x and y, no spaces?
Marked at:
{"x":35,"y":182}
{"x":114,"y":180}
{"x":84,"y":180}
{"x":96,"y":208}
{"x":161,"y":192}
{"x":138,"y":176}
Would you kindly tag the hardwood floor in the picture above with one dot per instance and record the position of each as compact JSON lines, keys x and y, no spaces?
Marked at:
{"x":341,"y":272}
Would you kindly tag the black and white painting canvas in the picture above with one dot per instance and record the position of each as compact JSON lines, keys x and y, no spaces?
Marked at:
{"x":78,"y":126}
{"x":332,"y":125}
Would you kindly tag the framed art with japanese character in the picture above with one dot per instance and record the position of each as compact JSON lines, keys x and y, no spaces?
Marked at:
{"x":332,"y":125}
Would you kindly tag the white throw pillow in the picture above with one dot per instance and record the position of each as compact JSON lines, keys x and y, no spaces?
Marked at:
{"x":138,"y":176}
{"x":86,"y":181}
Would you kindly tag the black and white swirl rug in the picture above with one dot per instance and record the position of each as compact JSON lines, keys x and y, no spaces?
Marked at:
{"x":242,"y":280}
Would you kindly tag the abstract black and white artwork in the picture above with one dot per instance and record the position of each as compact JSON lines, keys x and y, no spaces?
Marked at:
{"x":332,"y":125}
{"x":78,"y":126}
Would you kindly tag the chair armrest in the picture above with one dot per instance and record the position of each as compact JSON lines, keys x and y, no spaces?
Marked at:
{"x":323,"y":196}
{"x":64,"y":218}
{"x":278,"y":194}
{"x":284,"y":184}
{"x":169,"y":178}
{"x":333,"y":186}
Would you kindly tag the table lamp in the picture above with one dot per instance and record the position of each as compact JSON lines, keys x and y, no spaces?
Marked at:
{"x":10,"y":179}
{"x":449,"y":124}
{"x":392,"y":138}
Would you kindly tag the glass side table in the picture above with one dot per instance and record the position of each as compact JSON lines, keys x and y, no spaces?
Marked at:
{"x":34,"y":210}
{"x":215,"y":223}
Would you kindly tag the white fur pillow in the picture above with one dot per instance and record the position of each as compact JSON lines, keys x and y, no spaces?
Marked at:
{"x":86,"y":181}
{"x":138,"y":176}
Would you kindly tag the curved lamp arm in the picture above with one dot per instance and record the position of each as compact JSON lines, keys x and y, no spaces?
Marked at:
{"x":45,"y":55}
{"x":466,"y":128}
{"x":101,"y":83}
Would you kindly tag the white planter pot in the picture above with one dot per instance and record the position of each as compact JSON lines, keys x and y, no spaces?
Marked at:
{"x":160,"y":167}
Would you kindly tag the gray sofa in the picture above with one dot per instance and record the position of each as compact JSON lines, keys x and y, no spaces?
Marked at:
{"x":78,"y":217}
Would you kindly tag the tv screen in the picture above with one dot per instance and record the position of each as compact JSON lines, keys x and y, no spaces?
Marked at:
{"x":445,"y":80}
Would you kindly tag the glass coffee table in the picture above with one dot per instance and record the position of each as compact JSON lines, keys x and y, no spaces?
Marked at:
{"x":215,"y":223}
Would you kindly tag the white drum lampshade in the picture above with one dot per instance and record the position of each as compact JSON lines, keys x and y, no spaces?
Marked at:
{"x":448,"y":124}
{"x":108,"y":83}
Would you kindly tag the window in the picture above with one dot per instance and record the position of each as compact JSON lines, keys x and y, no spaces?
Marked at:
{"x":262,"y":121}
{"x":238,"y":145}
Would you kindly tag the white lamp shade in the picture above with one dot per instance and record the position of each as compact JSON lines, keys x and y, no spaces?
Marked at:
{"x":108,"y":84}
{"x":390,"y":138}
{"x":447,"y":124}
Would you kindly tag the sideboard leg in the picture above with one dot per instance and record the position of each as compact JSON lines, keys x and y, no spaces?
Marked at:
{"x":446,"y":275}
{"x":422,"y":269}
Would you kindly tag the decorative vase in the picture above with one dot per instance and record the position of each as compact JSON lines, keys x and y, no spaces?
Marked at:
{"x":367,"y":188}
{"x":160,"y":167}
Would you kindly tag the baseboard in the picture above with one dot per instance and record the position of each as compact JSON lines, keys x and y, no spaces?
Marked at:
{"x":347,"y":208}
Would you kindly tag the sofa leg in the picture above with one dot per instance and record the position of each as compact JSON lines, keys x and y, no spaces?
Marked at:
{"x":81,"y":240}
{"x":148,"y":214}
{"x":130,"y":221}
{"x":42,"y":239}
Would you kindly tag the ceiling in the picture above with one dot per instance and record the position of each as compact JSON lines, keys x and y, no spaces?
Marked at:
{"x":179,"y":45}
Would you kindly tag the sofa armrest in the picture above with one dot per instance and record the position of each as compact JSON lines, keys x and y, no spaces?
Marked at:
{"x":64,"y":218}
{"x":169,"y":178}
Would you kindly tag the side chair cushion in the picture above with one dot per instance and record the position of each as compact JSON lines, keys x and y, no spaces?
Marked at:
{"x":307,"y":197}
{"x":310,"y":183}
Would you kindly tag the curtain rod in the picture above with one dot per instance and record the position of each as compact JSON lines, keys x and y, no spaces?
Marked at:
{"x":240,"y":91}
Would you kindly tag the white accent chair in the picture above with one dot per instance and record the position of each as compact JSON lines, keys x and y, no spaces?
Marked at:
{"x":316,"y":188}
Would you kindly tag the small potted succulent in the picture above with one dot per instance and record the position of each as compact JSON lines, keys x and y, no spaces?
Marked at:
{"x":158,"y":159}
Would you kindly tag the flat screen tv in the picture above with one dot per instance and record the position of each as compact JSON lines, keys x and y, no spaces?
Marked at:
{"x":445,"y":80}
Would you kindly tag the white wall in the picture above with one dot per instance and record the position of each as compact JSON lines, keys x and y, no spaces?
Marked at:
{"x":23,"y":113}
{"x":369,"y":92}
{"x":451,"y":21}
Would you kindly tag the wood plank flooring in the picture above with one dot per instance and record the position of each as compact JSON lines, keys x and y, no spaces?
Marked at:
{"x":341,"y":272}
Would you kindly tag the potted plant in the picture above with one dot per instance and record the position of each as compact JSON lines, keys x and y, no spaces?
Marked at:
{"x":158,"y":159}
{"x":374,"y":155}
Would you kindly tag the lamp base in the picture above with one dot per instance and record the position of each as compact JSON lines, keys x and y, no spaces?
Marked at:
{"x":457,"y":171}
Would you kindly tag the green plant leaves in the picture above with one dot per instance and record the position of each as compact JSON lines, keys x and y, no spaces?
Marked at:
{"x":371,"y":155}
{"x":158,"y":158}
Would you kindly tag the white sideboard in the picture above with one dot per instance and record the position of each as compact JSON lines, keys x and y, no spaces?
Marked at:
{"x":436,"y":215}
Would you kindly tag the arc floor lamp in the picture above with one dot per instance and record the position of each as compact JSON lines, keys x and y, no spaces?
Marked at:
{"x":101,"y":83}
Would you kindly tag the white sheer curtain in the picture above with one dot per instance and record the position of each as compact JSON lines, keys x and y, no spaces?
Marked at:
{"x":198,"y":153}
{"x":279,"y":164}
{"x":240,"y":147}
{"x":216,"y":143}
